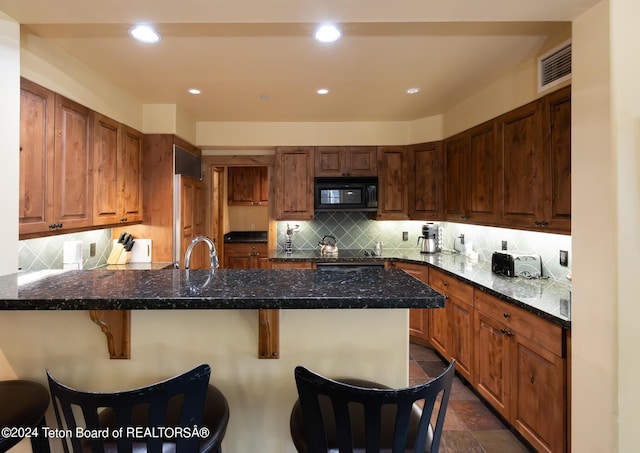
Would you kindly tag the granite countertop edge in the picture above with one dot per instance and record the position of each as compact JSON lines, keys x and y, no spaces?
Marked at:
{"x":548,"y":299}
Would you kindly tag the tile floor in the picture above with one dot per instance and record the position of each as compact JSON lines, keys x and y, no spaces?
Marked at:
{"x":470,"y":426}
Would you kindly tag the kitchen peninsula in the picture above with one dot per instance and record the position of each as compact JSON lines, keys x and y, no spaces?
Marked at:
{"x":335,"y":323}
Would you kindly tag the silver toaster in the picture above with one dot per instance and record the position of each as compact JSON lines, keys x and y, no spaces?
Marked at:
{"x":516,"y":264}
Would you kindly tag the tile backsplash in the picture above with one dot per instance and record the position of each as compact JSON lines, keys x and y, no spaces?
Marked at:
{"x":354,"y":230}
{"x":47,"y":253}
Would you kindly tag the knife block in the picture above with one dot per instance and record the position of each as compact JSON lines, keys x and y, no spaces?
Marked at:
{"x":116,"y":251}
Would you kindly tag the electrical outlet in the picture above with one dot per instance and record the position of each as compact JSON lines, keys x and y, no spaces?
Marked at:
{"x":564,"y":258}
{"x":92,"y":249}
{"x":504,"y":245}
{"x":405,"y":235}
{"x":462,"y":239}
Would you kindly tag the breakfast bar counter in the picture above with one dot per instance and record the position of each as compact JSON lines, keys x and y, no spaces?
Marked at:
{"x":337,"y":324}
{"x":171,"y":289}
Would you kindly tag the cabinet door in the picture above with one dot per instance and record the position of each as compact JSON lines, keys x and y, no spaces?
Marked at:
{"x":418,"y":317}
{"x":260,"y":257}
{"x":557,"y":134}
{"x":192,"y":222}
{"x":492,"y":362}
{"x":538,"y":404}
{"x":329,"y":161}
{"x":439,"y":331}
{"x":392,"y":183}
{"x":130,"y":175}
{"x":73,"y":184}
{"x":361,"y":161}
{"x":37,"y":107}
{"x":461,"y":338}
{"x":248,"y":186}
{"x":263,"y":188}
{"x":294,"y":183}
{"x":483,"y":170}
{"x":106,"y":152}
{"x":242,"y":185}
{"x":521,"y":185}
{"x":456,"y":163}
{"x":237,"y":261}
{"x":425,"y":181}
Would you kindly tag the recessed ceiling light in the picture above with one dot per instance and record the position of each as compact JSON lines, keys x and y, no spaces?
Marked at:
{"x":194,"y":91}
{"x":322,"y":91}
{"x":413,"y":90}
{"x":328,"y":33}
{"x":264,"y":97}
{"x":144,"y":33}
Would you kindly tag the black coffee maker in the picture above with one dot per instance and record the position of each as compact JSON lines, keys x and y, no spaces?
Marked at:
{"x":430,"y":238}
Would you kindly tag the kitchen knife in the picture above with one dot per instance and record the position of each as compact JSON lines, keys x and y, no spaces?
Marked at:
{"x":117,"y":249}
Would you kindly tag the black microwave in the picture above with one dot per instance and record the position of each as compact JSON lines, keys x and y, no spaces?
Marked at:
{"x":346,"y":194}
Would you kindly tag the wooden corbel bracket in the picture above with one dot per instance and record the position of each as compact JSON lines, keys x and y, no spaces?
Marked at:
{"x":116,"y":326}
{"x":268,"y":333}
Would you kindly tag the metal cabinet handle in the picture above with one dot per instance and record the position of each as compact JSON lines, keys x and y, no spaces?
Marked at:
{"x":506,"y":315}
{"x":541,"y":223}
{"x":507,"y":332}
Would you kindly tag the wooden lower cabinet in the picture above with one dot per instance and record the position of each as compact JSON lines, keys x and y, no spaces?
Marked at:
{"x":520,"y":369}
{"x":452,"y":327}
{"x":246,"y":256}
{"x":418,"y":317}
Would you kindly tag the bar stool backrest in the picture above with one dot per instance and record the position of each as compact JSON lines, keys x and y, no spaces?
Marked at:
{"x":333,"y":412}
{"x":145,"y":407}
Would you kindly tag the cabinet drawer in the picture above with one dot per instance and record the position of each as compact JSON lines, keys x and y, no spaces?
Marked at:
{"x":246,"y":248}
{"x":450,"y":286}
{"x":521,"y":322}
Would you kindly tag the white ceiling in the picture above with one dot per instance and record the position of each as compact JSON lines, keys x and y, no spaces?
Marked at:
{"x":237,"y":51}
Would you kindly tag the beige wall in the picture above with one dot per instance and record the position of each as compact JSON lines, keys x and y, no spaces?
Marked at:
{"x":372,"y":344}
{"x":10,"y":140}
{"x":625,"y":83}
{"x":47,"y":65}
{"x":594,"y":212}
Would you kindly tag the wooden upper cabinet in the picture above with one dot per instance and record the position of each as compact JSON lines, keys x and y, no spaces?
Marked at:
{"x":456,"y":151}
{"x":557,"y":144}
{"x":346,"y":161}
{"x":117,"y":179}
{"x":248,"y":186}
{"x":294,"y":183}
{"x":471,"y":167}
{"x":482,"y":201}
{"x":425,"y":181}
{"x":130,"y":174}
{"x":37,"y":107}
{"x":107,"y":139}
{"x":72,"y":182}
{"x":393,"y":199}
{"x":522,"y":158}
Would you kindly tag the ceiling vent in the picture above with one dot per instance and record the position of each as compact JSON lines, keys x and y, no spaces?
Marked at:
{"x":554,"y":67}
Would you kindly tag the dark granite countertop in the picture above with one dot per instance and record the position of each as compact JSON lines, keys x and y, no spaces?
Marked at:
{"x":221,"y":289}
{"x":547,"y":298}
{"x":245,"y":236}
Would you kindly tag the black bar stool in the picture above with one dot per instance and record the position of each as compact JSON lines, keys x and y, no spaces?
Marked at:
{"x":23,"y":405}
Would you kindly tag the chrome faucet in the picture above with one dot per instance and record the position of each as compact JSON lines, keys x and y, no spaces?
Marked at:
{"x":213,"y":256}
